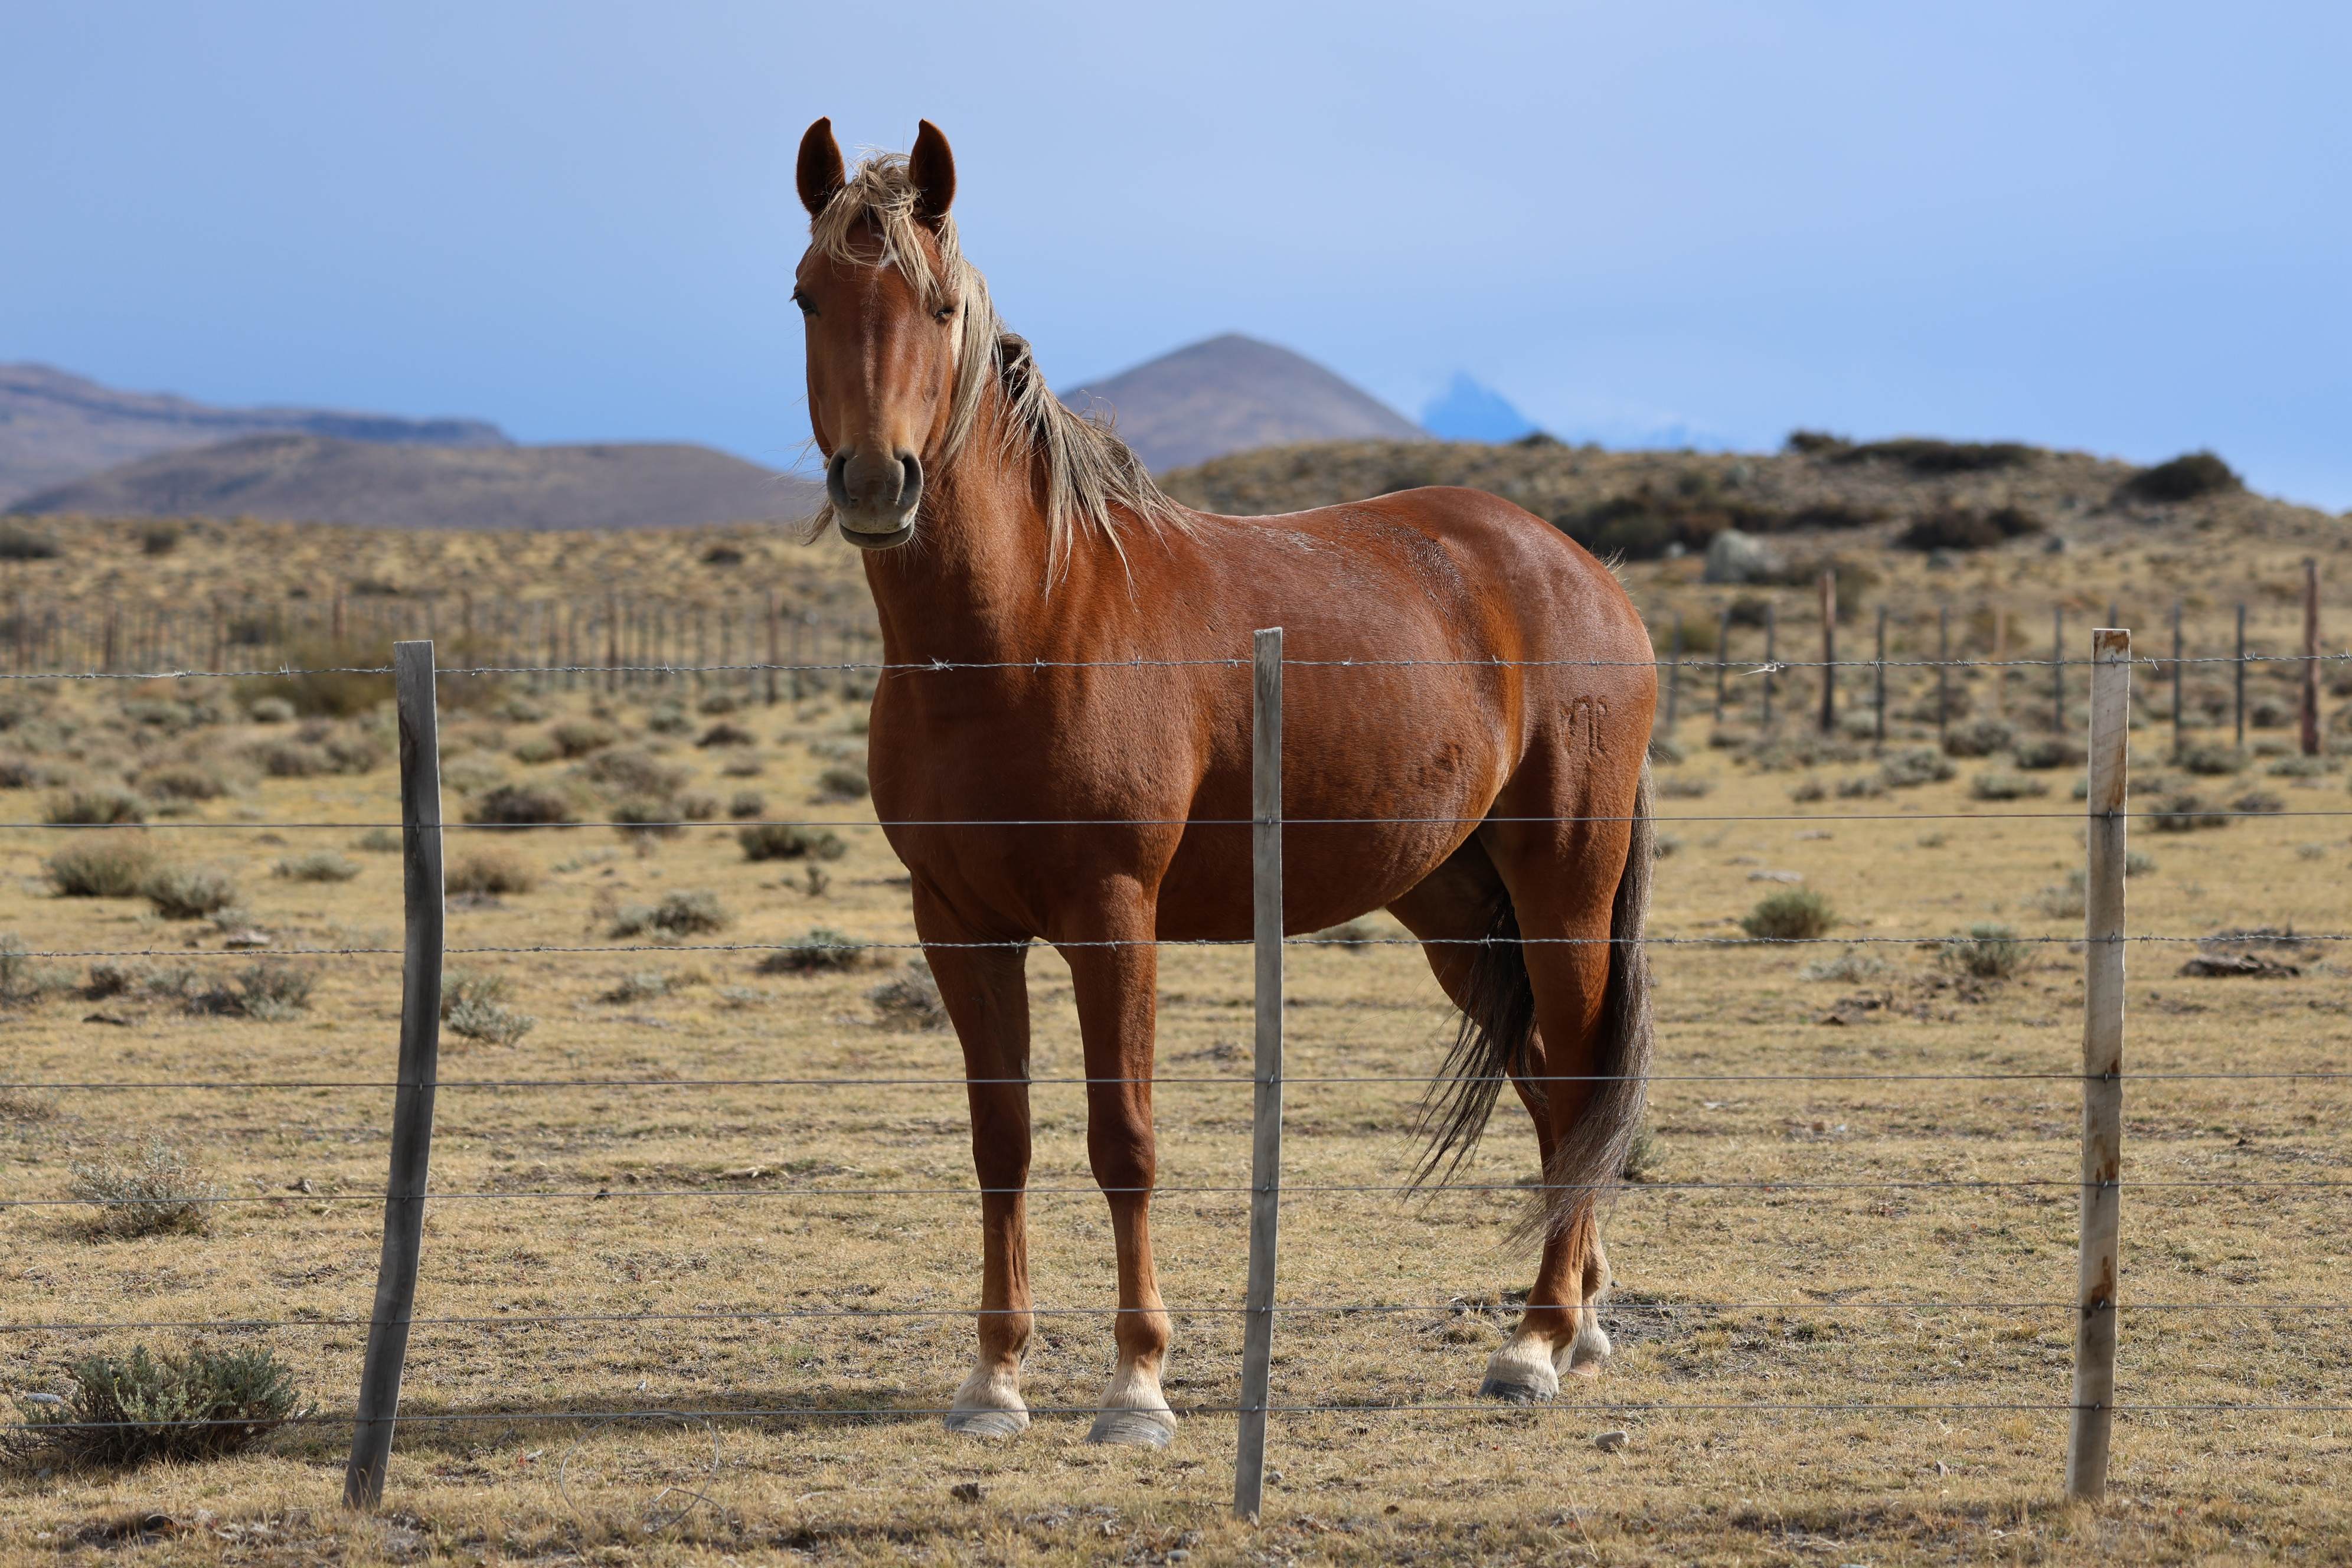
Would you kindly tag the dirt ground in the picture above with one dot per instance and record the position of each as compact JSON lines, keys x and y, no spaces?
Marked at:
{"x":1765,"y":1332}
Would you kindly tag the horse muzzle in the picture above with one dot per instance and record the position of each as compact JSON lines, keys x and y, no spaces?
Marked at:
{"x":875,"y":500}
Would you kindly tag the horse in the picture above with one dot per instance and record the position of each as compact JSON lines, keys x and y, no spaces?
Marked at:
{"x":1486,"y":755}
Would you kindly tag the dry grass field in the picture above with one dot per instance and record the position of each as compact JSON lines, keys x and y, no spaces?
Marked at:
{"x":675,"y":1243}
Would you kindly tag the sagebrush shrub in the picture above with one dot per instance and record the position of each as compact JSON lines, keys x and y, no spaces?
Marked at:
{"x":1793,"y":915}
{"x":154,"y":1193}
{"x":822,"y":951}
{"x":1988,"y":951}
{"x":1994,"y":784}
{"x":910,"y":999}
{"x":488,"y":872}
{"x":317,"y":865}
{"x":189,"y":892}
{"x":101,"y":866}
{"x":785,"y":841}
{"x":687,"y":912}
{"x":521,"y":805}
{"x":100,"y":807}
{"x":125,"y":1411}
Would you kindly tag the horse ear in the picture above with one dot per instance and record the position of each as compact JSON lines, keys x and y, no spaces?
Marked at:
{"x":820,"y":166}
{"x":933,"y":168}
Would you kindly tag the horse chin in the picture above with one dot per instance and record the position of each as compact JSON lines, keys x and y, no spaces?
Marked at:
{"x":880,"y":539}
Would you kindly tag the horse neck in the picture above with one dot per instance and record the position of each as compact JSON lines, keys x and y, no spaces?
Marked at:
{"x":972,"y":584}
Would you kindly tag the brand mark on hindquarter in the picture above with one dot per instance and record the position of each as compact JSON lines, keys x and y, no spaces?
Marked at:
{"x":1584,"y":717}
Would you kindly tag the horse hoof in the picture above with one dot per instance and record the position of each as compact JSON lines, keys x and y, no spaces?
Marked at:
{"x":1134,"y":1428}
{"x":988,"y":1423}
{"x":1514,"y":1391}
{"x":1588,"y":1350}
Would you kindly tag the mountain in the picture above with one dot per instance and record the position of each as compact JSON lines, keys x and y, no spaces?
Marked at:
{"x":1469,"y":411}
{"x":1232,"y":393}
{"x":315,"y":479}
{"x":55,"y":427}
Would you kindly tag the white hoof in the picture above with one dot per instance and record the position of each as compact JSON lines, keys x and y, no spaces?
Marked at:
{"x":988,"y":1405}
{"x":1135,"y":1412}
{"x":1521,"y":1372}
{"x":1587,"y":1350}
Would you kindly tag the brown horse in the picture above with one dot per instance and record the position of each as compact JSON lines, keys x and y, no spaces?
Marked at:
{"x":1500,"y":752}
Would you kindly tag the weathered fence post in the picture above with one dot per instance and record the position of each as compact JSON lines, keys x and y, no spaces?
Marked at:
{"x":2102,"y":1064}
{"x":2238,"y":704}
{"x":2310,"y":715}
{"x":1878,"y":689}
{"x":420,"y":1050}
{"x":1266,"y":1140}
{"x":2178,"y":739}
{"x":2001,"y":662}
{"x":1943,"y":675}
{"x":1771,"y":657}
{"x":1722,"y":658}
{"x":1829,"y":652}
{"x":2058,"y":670}
{"x":1674,"y":676}
{"x":775,"y":652}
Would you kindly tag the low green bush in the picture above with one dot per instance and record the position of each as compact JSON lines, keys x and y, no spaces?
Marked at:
{"x":683,"y":913}
{"x":1988,"y":951}
{"x":101,"y":866}
{"x":1794,"y":914}
{"x":789,"y":841}
{"x":822,"y":951}
{"x":126,"y":1411}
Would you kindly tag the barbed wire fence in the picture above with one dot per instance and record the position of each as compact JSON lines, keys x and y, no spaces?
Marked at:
{"x":2092,"y":1403}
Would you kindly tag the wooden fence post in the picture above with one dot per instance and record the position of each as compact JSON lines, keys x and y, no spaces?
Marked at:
{"x":2239,"y":702}
{"x":1878,"y":689}
{"x":2058,"y":670}
{"x":612,"y":641}
{"x":2001,"y":662}
{"x":1943,"y":675}
{"x":1266,"y":1140}
{"x":1829,"y":652}
{"x":2177,"y":649}
{"x":2102,"y":1064}
{"x":1722,"y":658}
{"x":2310,"y":656}
{"x":420,"y":1050}
{"x":1771,"y":656}
{"x":1674,"y":676}
{"x":775,"y":652}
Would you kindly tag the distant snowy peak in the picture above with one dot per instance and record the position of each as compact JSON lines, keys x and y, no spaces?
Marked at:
{"x":1468,"y":410}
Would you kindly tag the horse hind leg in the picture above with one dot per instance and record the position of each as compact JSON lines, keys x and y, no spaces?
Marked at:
{"x":1456,"y":912}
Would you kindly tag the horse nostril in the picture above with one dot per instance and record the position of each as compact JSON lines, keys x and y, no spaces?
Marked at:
{"x":911,"y":487}
{"x":836,"y":484}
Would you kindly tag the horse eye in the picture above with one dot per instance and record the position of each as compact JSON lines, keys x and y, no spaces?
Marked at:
{"x":945,"y":313}
{"x":807,"y":305}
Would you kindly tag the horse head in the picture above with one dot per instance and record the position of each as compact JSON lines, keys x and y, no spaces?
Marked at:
{"x":882,"y":292}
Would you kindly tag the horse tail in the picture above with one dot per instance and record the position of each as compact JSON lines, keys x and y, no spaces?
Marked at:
{"x":1497,"y":1033}
{"x":1590,"y":1158}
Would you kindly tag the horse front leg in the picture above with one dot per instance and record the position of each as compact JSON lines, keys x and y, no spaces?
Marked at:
{"x":1116,"y":991}
{"x":986,"y":993}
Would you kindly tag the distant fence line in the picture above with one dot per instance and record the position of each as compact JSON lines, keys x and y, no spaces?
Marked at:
{"x":1747,"y":662}
{"x":631,"y":639}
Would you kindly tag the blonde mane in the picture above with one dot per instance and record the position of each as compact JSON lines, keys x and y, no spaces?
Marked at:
{"x":1091,"y":476}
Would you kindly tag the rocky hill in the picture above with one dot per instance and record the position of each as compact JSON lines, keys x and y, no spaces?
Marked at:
{"x":1645,"y":505}
{"x":55,"y":427}
{"x":1232,"y":393}
{"x":310,"y":479}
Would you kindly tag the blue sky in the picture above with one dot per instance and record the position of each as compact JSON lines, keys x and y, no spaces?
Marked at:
{"x":2118,"y":227}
